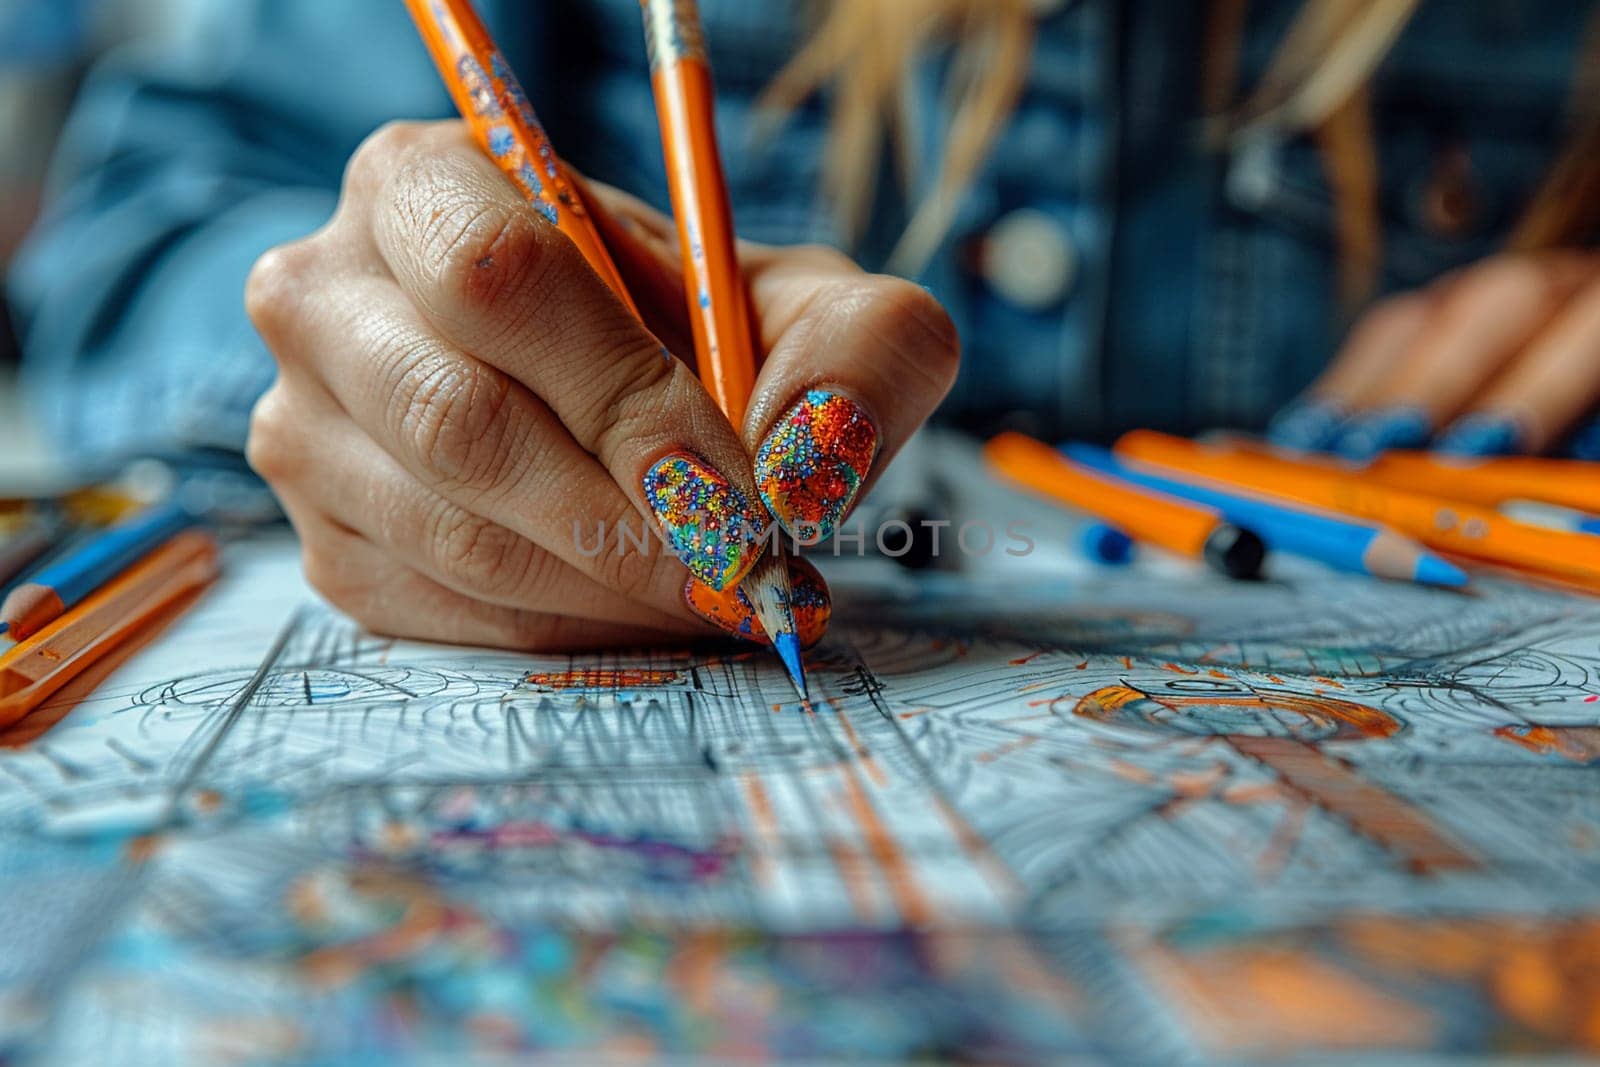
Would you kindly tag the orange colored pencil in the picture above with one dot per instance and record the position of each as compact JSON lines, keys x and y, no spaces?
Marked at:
{"x":1442,"y":523}
{"x":1570,"y":483}
{"x":1180,"y":527}
{"x":36,"y":668}
{"x":719,"y":315}
{"x":686,"y":106}
{"x":490,"y":99}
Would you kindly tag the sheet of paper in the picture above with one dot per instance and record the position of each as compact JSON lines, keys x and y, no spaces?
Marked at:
{"x":1033,"y":814}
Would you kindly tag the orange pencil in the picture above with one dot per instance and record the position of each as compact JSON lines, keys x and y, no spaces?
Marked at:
{"x":490,"y":99}
{"x":725,"y":351}
{"x":34,"y":669}
{"x":1570,"y":483}
{"x":685,"y":107}
{"x":1177,"y":526}
{"x":1448,"y":525}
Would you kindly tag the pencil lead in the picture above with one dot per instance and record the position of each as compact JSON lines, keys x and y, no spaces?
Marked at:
{"x":767,"y":587}
{"x":4,"y":626}
{"x":1432,"y":570}
{"x":788,"y":648}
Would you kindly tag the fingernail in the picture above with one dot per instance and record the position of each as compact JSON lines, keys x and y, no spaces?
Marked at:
{"x":731,"y":610}
{"x":712,"y":526}
{"x":1309,"y":425}
{"x":1481,"y":435}
{"x":811,"y":465}
{"x":1379,"y":431}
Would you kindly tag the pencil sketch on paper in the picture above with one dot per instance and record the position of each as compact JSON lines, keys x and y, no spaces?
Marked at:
{"x":1137,"y":814}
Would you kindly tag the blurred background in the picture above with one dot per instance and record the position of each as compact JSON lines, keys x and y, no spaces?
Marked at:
{"x":46,"y":46}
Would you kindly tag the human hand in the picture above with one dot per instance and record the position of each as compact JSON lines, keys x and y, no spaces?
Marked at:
{"x":461,"y":402}
{"x":1500,"y":357}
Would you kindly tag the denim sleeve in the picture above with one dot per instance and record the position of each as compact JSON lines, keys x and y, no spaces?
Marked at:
{"x":180,"y":165}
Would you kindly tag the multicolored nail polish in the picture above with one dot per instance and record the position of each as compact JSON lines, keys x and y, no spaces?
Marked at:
{"x":1481,"y":435}
{"x":811,"y":465}
{"x":1309,"y":425}
{"x":713,"y":527}
{"x":1368,"y":435}
{"x":731,"y":610}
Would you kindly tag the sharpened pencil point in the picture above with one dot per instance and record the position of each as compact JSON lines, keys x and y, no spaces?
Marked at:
{"x":788,"y":648}
{"x":4,"y":626}
{"x":1431,"y":570}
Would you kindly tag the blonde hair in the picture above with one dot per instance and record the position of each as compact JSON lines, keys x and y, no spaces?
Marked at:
{"x":1315,"y":83}
{"x":866,"y":49}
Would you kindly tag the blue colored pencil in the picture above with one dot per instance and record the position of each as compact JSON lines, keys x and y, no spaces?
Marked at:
{"x":1362,"y":548}
{"x":42,"y":599}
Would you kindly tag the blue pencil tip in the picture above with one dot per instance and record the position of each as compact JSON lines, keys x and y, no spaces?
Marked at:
{"x":1589,"y":526}
{"x":788,"y":647}
{"x":4,"y":626}
{"x":1432,"y":570}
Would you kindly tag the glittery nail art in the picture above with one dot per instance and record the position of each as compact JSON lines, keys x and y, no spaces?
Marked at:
{"x":712,"y":526}
{"x":811,"y":465}
{"x":731,"y":610}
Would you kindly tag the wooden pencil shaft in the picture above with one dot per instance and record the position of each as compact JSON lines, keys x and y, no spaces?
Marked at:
{"x":497,"y":111}
{"x":714,"y":288}
{"x":38,"y":667}
{"x":1155,"y":520}
{"x":1490,"y":482}
{"x":69,"y":579}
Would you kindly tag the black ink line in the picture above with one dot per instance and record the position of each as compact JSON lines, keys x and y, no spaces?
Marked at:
{"x":231,"y":716}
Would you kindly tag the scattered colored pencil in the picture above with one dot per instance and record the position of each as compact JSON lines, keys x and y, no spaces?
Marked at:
{"x":1358,"y":547}
{"x":1446,"y":525}
{"x":491,"y":101}
{"x":43,"y":598}
{"x":1568,"y":483}
{"x":38,"y":667}
{"x":1178,"y":526}
{"x":725,"y":353}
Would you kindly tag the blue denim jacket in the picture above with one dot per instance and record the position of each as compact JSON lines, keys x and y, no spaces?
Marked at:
{"x":1107,"y":269}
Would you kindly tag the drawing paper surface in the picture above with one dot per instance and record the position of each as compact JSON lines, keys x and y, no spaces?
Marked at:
{"x":1149,"y":813}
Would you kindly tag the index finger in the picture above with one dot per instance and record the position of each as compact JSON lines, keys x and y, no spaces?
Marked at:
{"x":498,"y":280}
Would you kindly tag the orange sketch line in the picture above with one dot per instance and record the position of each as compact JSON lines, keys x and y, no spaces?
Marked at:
{"x":1377,"y":814}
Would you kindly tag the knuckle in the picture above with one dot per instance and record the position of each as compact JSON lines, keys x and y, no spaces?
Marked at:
{"x":625,"y":568}
{"x":453,"y":415}
{"x":474,"y":254}
{"x":479,"y":554}
{"x":269,"y":448}
{"x":629,"y":403}
{"x":276,"y":288}
{"x":375,"y":157}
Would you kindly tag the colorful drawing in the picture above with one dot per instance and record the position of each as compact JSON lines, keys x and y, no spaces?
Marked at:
{"x":1139,"y":816}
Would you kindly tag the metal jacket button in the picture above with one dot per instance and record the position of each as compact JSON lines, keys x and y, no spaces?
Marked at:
{"x":1028,"y":259}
